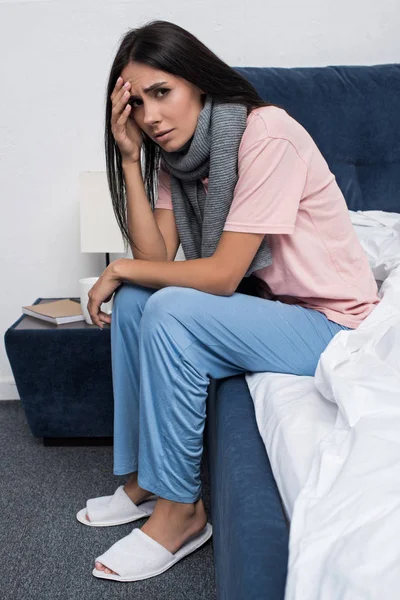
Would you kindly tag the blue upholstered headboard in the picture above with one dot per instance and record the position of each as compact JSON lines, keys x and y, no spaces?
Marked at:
{"x":353,"y":115}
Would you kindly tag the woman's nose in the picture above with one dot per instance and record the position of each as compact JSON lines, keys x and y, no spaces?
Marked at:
{"x":150,"y":118}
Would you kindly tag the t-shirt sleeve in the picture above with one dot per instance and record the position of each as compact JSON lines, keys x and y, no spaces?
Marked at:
{"x":164,"y":190}
{"x":271,"y":180}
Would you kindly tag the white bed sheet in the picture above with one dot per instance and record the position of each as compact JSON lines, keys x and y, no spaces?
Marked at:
{"x":334,"y":444}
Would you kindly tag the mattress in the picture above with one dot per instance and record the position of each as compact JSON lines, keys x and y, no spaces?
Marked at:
{"x":334,"y":445}
{"x":292,"y":418}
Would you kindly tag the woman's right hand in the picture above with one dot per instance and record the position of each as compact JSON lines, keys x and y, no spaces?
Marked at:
{"x":126,"y":132}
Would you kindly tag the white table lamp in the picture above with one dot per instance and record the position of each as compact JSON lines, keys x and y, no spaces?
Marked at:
{"x":98,"y":225}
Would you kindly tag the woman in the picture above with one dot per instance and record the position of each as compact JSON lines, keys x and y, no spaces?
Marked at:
{"x":274,"y":270}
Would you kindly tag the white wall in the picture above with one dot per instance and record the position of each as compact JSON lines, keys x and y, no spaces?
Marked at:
{"x":55,"y":58}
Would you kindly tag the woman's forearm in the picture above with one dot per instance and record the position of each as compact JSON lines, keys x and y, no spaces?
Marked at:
{"x":202,"y":274}
{"x":142,"y":225}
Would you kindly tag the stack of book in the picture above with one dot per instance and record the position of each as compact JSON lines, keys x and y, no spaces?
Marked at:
{"x":57,"y":312}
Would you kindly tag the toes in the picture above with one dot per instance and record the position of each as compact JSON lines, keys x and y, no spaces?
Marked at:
{"x":100,"y":567}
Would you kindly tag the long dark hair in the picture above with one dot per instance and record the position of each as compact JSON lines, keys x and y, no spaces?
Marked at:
{"x":170,"y":48}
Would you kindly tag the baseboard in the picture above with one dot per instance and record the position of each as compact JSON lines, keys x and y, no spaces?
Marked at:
{"x":8,"y":389}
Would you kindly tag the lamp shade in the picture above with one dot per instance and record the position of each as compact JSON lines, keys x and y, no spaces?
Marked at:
{"x":98,"y":225}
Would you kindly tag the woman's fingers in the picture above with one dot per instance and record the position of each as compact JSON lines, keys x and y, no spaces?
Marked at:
{"x":118,"y":85}
{"x":127,"y":134}
{"x":106,"y":318}
{"x":118,"y":91}
{"x":94,"y":313}
{"x":119,"y":101}
{"x":98,"y":316}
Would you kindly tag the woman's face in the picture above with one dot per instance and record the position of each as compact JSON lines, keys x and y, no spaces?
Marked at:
{"x":174,"y":104}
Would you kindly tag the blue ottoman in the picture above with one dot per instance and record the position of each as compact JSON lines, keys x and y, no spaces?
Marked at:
{"x":64,"y":379}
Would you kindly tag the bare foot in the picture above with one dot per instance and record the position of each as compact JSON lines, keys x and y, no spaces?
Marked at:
{"x":171,"y":525}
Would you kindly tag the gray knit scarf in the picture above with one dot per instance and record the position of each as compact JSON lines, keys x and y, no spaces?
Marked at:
{"x":212,"y":152}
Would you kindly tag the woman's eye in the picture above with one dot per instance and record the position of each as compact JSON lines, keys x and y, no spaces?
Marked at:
{"x":131,"y":102}
{"x":162,"y":90}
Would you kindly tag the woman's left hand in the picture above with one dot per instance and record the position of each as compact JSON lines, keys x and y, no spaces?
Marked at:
{"x":102,"y":291}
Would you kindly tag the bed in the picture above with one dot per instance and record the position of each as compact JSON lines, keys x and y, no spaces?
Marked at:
{"x":333,"y":441}
{"x":332,"y":438}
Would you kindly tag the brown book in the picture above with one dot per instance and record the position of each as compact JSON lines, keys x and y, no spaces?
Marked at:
{"x":57,"y":312}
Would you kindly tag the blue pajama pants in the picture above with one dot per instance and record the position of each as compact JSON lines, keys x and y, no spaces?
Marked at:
{"x":165,"y":346}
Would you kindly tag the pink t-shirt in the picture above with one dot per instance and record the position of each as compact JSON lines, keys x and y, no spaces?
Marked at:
{"x":286,"y":190}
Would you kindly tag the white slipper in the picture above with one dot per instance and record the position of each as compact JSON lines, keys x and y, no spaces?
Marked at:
{"x":137,"y":556}
{"x":115,"y":510}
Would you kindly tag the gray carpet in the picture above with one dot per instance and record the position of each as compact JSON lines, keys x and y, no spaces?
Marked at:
{"x":45,"y":553}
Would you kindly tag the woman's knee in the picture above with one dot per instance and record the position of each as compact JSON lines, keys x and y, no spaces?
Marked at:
{"x":171,"y":300}
{"x":129,"y":297}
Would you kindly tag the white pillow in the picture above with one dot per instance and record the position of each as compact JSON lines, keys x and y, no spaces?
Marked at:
{"x":379,"y":235}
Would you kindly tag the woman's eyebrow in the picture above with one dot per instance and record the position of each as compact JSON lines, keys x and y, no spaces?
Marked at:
{"x":150,"y":88}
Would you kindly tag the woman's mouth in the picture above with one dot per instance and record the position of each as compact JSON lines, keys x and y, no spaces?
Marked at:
{"x":165,"y":136}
